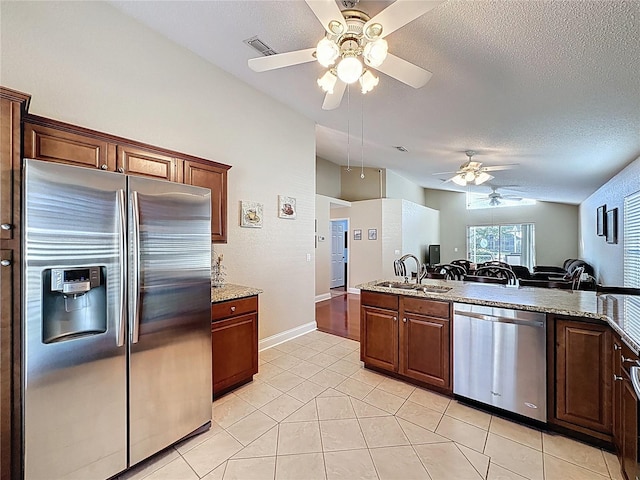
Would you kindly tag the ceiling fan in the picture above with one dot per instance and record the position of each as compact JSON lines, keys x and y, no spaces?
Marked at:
{"x":496,"y":198}
{"x":473,"y":172}
{"x":352,"y":38}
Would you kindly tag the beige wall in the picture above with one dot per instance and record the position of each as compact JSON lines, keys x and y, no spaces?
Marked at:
{"x":87,"y":64}
{"x":354,"y":188}
{"x":399,"y":187}
{"x":323,"y":248}
{"x":327,"y":178}
{"x":556,"y":225}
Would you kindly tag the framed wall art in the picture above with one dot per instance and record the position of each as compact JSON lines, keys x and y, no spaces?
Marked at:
{"x":286,"y":207}
{"x":612,"y":226}
{"x":601,"y":221}
{"x":357,"y":234}
{"x":250,"y":214}
{"x":373,"y":234}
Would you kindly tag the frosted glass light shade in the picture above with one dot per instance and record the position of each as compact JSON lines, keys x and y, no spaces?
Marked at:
{"x":376,"y":52}
{"x":327,"y":82}
{"x":349,"y":69}
{"x":327,"y":52}
{"x":459,"y":180}
{"x":367,"y":81}
{"x":482,"y":177}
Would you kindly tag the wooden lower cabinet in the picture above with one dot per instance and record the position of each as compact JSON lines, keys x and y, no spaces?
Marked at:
{"x":583,"y":376}
{"x":625,"y":409}
{"x":234,"y":343}
{"x":379,"y":338}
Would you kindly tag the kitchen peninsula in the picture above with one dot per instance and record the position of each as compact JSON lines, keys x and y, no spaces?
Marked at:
{"x":583,"y":351}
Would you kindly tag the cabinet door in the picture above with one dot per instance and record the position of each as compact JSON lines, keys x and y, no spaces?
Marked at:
{"x":617,"y":394}
{"x":214,"y":178}
{"x":629,"y":445}
{"x":424,"y":349}
{"x":6,"y":351}
{"x":583,"y":375}
{"x":379,"y":338}
{"x":9,"y":169}
{"x":50,"y":144}
{"x":234,"y":344}
{"x":146,"y":163}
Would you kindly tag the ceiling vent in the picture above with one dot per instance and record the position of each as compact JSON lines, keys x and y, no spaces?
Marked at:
{"x":400,"y":148}
{"x":260,"y":46}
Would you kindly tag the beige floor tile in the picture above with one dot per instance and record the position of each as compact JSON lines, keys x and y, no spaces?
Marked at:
{"x":479,"y":461}
{"x":515,"y":457}
{"x":303,"y":353}
{"x":327,"y":378}
{"x":384,"y":400}
{"x":350,"y":344}
{"x":428,"y":399}
{"x":251,"y":427}
{"x":308,"y":466}
{"x":299,"y":437}
{"x":516,"y":432}
{"x":461,"y":432}
{"x":208,"y":455}
{"x":333,"y":339}
{"x":444,"y":461}
{"x":468,"y":414}
{"x":354,"y":357}
{"x":231,"y":410}
{"x":301,"y":340}
{"x":189,"y":443}
{"x":217,"y":473}
{"x":281,"y":407}
{"x":270,"y":354}
{"x":307,"y":413}
{"x":322,"y":359}
{"x":305,"y":369}
{"x":557,"y":469}
{"x":496,"y":472}
{"x":396,"y":387}
{"x":418,"y":435}
{"x":338,"y":351}
{"x":367,"y":376}
{"x":382,"y":432}
{"x":341,"y":435}
{"x":364,"y":410}
{"x":419,"y":415}
{"x":306,"y":391}
{"x":263,"y":446}
{"x":331,"y":392}
{"x":285,"y":361}
{"x":613,"y":464}
{"x":285,"y":381}
{"x":575,"y":452}
{"x":258,"y":394}
{"x":354,"y":388}
{"x":260,"y":362}
{"x":320,"y":345}
{"x":334,"y":408}
{"x":395,"y":463}
{"x":267,"y":371}
{"x":156,"y":462}
{"x":344,"y":367}
{"x":350,"y":465}
{"x":287,"y":347}
{"x":251,"y":469}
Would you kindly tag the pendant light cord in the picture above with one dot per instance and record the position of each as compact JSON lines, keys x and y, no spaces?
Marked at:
{"x":362,"y":139}
{"x":348,"y":128}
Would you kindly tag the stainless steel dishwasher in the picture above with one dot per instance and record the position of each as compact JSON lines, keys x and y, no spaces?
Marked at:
{"x":500,"y":358}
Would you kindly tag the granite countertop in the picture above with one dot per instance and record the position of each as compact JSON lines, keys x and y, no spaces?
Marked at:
{"x":231,"y":292}
{"x":613,"y":309}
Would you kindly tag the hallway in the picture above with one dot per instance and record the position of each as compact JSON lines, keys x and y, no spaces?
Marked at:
{"x":340,"y":315}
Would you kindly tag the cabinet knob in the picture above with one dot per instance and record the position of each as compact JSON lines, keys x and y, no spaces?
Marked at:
{"x":5,"y":263}
{"x":628,"y":360}
{"x":233,"y":309}
{"x":404,"y":320}
{"x":617,"y":347}
{"x":104,"y":166}
{"x":121,"y":170}
{"x":6,"y":226}
{"x":617,"y":378}
{"x":395,"y":319}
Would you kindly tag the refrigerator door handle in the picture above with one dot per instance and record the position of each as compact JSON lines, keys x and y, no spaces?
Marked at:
{"x":135,"y":297}
{"x":123,"y":255}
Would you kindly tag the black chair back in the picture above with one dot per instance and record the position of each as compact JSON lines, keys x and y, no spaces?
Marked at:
{"x":497,"y":272}
{"x":466,"y":264}
{"x":495,"y":263}
{"x":450,"y":272}
{"x":485,"y":279}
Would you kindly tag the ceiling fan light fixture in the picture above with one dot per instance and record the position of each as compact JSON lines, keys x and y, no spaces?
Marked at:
{"x":376,"y":52}
{"x":327,"y":82}
{"x":459,"y":180}
{"x":368,"y":81}
{"x":349,"y":69}
{"x":327,"y":52}
{"x":373,"y":31}
{"x":482,"y":177}
{"x":469,"y":176}
{"x":336,"y":27}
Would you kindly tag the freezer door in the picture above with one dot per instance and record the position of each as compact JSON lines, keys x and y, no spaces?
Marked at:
{"x":74,"y":349}
{"x":169,"y":313}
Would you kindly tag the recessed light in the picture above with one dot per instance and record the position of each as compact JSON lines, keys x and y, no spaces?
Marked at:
{"x":400,"y":148}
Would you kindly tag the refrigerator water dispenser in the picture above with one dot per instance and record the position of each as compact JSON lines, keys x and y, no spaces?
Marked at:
{"x":74,"y":303}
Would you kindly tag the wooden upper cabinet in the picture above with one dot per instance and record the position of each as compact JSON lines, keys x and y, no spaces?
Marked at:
{"x":146,"y":163}
{"x":60,"y":146}
{"x":214,"y":177}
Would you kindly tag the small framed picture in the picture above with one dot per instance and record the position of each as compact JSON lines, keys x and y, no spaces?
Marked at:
{"x":286,"y":207}
{"x":250,"y":214}
{"x":601,"y":221}
{"x":357,"y":234}
{"x":373,"y":234}
{"x":612,"y":226}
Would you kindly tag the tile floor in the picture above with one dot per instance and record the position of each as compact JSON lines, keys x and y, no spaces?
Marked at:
{"x":313,"y":412}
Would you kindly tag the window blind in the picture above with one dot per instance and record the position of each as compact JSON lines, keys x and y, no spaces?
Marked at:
{"x":632,"y":240}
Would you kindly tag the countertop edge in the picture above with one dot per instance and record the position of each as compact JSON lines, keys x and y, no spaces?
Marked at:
{"x":232,"y":292}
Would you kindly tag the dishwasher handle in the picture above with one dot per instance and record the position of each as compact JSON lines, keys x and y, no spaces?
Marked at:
{"x":634,"y":373}
{"x":499,"y":319}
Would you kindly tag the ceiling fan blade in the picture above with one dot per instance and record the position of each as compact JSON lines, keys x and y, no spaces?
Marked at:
{"x":499,"y":167}
{"x":280,"y":60}
{"x":512,"y":197}
{"x":404,"y":71}
{"x":326,"y":11}
{"x":332,"y":100}
{"x":399,"y":13}
{"x":444,"y":173}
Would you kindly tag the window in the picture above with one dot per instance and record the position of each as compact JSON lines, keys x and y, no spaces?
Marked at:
{"x":512,"y":244}
{"x":632,"y":240}
{"x":493,"y":200}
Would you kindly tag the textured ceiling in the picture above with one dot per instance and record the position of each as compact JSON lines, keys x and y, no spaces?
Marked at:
{"x":552,"y":86}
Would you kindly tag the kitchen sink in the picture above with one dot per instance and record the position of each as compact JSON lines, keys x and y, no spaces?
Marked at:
{"x":434,"y":288}
{"x":413,"y":286}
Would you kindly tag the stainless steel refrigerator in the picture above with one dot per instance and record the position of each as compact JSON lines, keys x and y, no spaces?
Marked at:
{"x":116,"y":324}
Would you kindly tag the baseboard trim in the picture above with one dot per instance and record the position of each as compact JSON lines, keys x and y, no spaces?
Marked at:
{"x":323,"y":297}
{"x":355,"y":291}
{"x":282,"y":337}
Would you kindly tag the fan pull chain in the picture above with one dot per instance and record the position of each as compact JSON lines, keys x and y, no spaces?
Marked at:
{"x":348,"y":128}
{"x":362,"y":139}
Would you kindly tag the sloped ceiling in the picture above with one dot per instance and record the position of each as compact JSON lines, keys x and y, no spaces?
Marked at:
{"x":552,"y":86}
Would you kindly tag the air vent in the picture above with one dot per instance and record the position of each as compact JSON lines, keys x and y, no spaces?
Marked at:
{"x":260,"y":46}
{"x":400,"y":148}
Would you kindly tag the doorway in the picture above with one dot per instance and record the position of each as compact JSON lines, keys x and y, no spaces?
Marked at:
{"x":339,"y":255}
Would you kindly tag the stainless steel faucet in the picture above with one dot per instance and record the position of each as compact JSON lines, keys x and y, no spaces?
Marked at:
{"x":420,"y":272}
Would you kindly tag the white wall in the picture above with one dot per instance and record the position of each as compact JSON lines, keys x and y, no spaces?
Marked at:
{"x":327,"y":178}
{"x":399,"y":187}
{"x":607,"y":259}
{"x":420,"y":228}
{"x":323,"y":249}
{"x":556,"y":225}
{"x":86,"y":63}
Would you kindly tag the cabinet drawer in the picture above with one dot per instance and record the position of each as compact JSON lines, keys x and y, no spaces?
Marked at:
{"x":380,"y":300}
{"x":426,"y":307}
{"x":232,"y":308}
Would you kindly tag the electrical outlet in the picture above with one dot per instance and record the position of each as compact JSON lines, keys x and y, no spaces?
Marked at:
{"x":308,"y":257}
{"x":396,"y":252}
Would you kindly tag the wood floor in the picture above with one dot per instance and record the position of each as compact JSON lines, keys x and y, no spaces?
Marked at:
{"x":340,"y":315}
